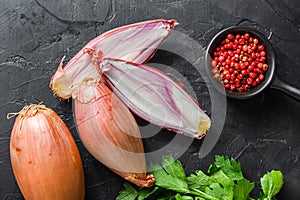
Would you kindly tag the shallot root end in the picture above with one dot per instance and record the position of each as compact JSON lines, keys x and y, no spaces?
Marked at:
{"x":147,"y":182}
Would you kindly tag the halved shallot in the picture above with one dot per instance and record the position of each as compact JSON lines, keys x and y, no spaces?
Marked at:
{"x":44,"y":156}
{"x":136,"y":42}
{"x":155,"y":97}
{"x":109,"y":131}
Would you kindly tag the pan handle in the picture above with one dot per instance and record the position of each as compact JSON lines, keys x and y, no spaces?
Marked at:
{"x":279,"y":84}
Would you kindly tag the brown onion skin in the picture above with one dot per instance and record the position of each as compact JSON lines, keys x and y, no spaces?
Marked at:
{"x":109,"y":132}
{"x":44,"y":156}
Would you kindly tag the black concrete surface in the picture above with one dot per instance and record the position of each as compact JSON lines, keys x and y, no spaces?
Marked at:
{"x":262,"y":133}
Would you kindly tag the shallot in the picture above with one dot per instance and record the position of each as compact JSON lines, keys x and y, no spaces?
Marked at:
{"x":109,"y":131}
{"x":135,"y":42}
{"x":44,"y":157}
{"x":155,"y":97}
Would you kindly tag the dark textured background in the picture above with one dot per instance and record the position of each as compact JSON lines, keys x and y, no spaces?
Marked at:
{"x":262,"y":133}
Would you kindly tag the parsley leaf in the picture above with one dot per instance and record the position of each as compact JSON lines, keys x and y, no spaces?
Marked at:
{"x":216,"y":186}
{"x":144,"y":193}
{"x":170,"y":176}
{"x":217,"y":191}
{"x":228,"y":165}
{"x":221,"y":178}
{"x":131,"y":192}
{"x":198,"y":180}
{"x":271,"y":184}
{"x":221,"y":186}
{"x":242,"y":189}
{"x":128,"y":193}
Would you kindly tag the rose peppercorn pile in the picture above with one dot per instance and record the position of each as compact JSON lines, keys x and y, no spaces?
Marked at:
{"x":239,"y":62}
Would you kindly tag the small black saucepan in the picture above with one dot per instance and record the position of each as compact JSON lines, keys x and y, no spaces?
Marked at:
{"x":270,"y":80}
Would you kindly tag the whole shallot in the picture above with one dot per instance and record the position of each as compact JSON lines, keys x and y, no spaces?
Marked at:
{"x":109,"y":131}
{"x":44,"y":157}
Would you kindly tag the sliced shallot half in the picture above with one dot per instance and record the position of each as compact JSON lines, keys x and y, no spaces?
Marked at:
{"x":136,"y":42}
{"x":155,"y":97}
{"x":109,"y":131}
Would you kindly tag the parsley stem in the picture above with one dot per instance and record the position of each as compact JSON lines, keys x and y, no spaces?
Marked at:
{"x":204,"y":195}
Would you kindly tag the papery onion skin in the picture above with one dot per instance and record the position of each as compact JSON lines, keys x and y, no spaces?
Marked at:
{"x":109,"y":131}
{"x":155,"y":97}
{"x":135,"y":42}
{"x":44,"y":157}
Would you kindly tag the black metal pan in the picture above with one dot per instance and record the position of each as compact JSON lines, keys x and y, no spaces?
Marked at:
{"x":271,"y":79}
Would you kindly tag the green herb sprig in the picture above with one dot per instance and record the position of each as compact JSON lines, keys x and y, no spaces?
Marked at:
{"x":224,"y":180}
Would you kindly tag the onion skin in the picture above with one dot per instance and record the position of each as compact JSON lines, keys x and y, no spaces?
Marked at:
{"x":109,"y":131}
{"x":44,"y":156}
